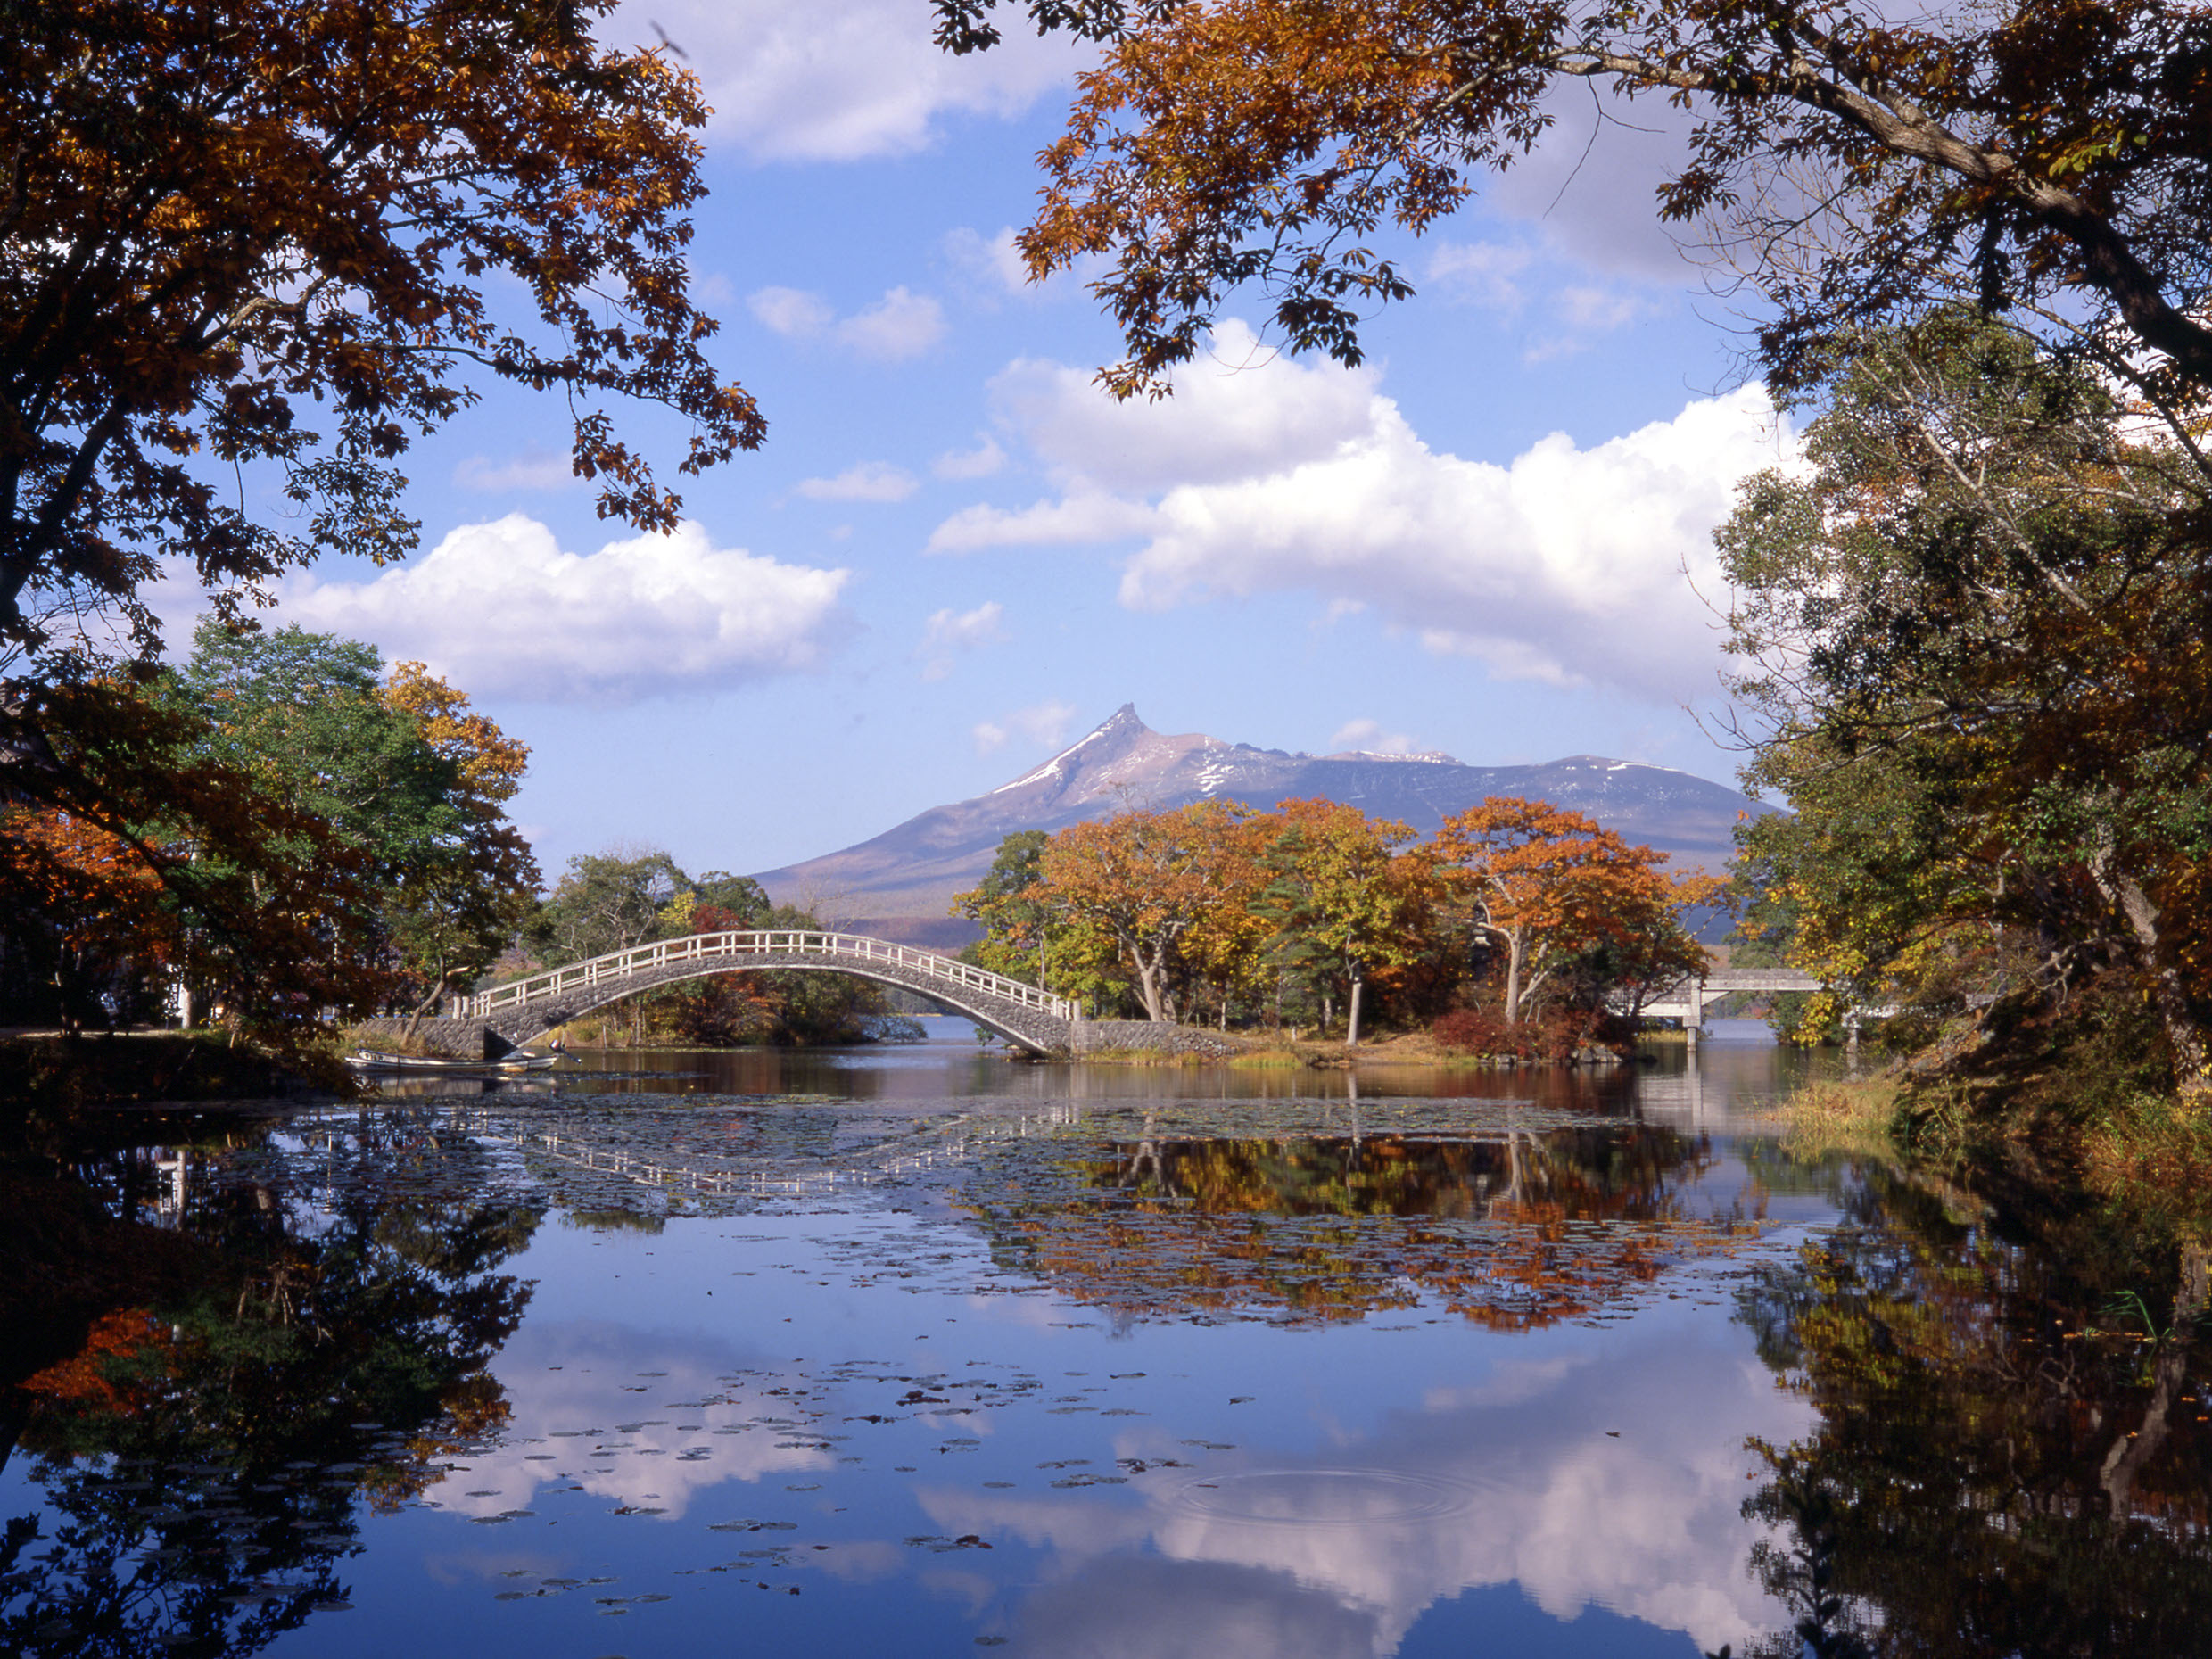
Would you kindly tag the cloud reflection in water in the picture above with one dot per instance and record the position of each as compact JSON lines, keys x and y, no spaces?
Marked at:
{"x":1645,"y":1524}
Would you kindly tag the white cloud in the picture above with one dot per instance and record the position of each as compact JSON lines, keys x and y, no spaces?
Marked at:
{"x":1238,"y":408}
{"x":1582,"y":314}
{"x":1368,"y":737}
{"x":1088,"y":518}
{"x":980,"y":462}
{"x":866,"y":481}
{"x":898,"y":326}
{"x":1595,"y":307}
{"x":792,"y":312}
{"x":1501,"y":278}
{"x":1482,"y":273}
{"x":993,"y":262}
{"x":1590,"y":189}
{"x":1553,"y":1480}
{"x":840,"y":80}
{"x":1044,"y":724}
{"x":534,"y":469}
{"x":949,"y":633}
{"x":1566,"y":563}
{"x":503,"y":612}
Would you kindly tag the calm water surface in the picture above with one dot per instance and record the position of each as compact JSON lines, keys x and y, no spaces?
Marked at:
{"x":916,"y":1351}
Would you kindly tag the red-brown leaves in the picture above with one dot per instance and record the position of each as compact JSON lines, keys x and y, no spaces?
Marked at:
{"x":224,"y":211}
{"x":1849,"y":161}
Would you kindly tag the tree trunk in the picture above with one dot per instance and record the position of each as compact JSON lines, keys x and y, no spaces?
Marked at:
{"x":2130,"y":1453}
{"x":1351,"y":1028}
{"x":1150,"y":988}
{"x":1512,"y":978}
{"x":422,"y":1008}
{"x":2192,"y":1065}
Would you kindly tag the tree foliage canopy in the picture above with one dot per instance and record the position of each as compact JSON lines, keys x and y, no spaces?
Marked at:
{"x":278,"y":823}
{"x":1546,"y":886}
{"x":265,"y":234}
{"x":1854,"y":162}
{"x":1315,"y":905}
{"x":1971,"y":649}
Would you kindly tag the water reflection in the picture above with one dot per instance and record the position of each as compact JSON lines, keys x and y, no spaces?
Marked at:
{"x":1553,"y":1474}
{"x":1127,"y":1364}
{"x":1513,"y":1228}
{"x":204,"y":1465}
{"x":2012,"y":1453}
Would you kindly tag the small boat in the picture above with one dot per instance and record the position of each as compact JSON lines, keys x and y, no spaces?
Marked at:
{"x":377,"y":1060}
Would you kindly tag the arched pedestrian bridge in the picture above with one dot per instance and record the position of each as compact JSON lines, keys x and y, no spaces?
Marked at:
{"x":513,"y":1014}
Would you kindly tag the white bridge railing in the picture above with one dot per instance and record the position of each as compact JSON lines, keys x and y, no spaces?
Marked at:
{"x":851,"y":948}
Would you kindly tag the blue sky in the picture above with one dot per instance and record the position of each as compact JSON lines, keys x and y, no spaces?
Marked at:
{"x":954,"y":553}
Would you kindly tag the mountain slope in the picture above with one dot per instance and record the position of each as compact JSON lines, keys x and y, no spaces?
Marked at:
{"x":901,"y":883}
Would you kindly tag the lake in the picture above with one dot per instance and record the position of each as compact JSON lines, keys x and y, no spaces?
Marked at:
{"x":918,"y":1351}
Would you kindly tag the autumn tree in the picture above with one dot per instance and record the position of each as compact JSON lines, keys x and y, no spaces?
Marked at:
{"x":261,"y":240}
{"x":262,"y":900}
{"x":1970,"y":646}
{"x":1541,"y":884}
{"x":1342,"y":898}
{"x":1146,"y":881}
{"x":399,"y":783}
{"x":472,"y":884}
{"x":264,"y":237}
{"x":1854,"y":162}
{"x":1226,"y":954}
{"x":90,"y":919}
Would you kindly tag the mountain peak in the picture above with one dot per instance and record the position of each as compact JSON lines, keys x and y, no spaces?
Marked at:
{"x":913,"y":869}
{"x":1112,"y":738}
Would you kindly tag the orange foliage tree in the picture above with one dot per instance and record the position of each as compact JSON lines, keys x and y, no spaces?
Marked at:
{"x":219,"y":215}
{"x":275,"y":242}
{"x":1216,"y":905}
{"x":1544,"y":885}
{"x":259,"y":898}
{"x":1850,"y":160}
{"x":1147,"y":881}
{"x":275,"y":826}
{"x":100,"y":898}
{"x":472,"y":885}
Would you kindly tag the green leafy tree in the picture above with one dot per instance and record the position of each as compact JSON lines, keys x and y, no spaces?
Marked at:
{"x":608,"y":902}
{"x":396,"y":786}
{"x":1013,"y":904}
{"x":1340,"y":898}
{"x":1971,"y":657}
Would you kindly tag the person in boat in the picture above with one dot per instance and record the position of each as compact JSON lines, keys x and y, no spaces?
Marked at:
{"x":559,"y":1045}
